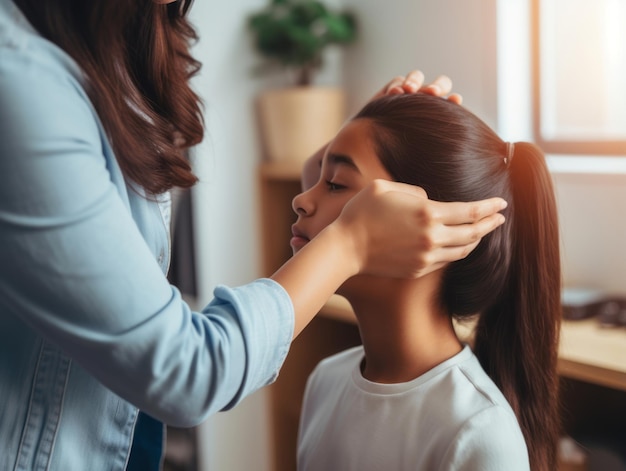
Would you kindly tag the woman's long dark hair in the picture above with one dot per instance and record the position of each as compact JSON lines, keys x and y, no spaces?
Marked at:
{"x":512,"y":279}
{"x":135,"y":55}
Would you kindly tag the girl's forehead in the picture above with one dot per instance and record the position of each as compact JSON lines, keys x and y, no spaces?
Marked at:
{"x":353,"y":138}
{"x":353,"y":148}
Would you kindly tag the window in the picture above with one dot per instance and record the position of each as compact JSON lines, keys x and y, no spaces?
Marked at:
{"x":579,"y":67}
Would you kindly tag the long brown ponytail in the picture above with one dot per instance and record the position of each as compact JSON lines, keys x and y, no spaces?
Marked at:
{"x":135,"y":55}
{"x":512,"y":279}
{"x":517,"y":338}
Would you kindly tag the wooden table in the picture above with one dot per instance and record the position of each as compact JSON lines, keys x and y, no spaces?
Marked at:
{"x":594,"y":354}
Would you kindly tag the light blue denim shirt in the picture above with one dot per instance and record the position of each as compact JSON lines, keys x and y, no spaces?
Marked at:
{"x":90,"y":329}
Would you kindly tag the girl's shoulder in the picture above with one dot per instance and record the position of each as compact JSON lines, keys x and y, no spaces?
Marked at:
{"x":340,"y":362}
{"x":491,"y":439}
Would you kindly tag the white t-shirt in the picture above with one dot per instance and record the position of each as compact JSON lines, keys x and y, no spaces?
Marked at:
{"x":452,"y":417}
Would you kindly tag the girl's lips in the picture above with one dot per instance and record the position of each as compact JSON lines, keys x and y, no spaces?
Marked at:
{"x":298,"y":240}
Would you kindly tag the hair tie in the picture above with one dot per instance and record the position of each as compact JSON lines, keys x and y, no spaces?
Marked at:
{"x":510,"y":148}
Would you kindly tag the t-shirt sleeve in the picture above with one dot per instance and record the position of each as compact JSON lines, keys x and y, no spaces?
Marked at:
{"x":489,"y":441}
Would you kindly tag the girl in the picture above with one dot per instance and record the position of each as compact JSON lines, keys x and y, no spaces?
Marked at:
{"x":413,"y":396}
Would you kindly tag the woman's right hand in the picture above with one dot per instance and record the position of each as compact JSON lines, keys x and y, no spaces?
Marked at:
{"x":387,"y":229}
{"x":396,"y":231}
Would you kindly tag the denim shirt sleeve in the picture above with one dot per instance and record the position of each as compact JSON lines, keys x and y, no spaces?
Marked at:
{"x":75,"y":267}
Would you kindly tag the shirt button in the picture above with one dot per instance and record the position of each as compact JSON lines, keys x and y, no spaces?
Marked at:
{"x":161,"y":256}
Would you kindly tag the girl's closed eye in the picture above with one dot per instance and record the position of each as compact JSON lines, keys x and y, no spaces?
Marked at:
{"x":332,"y":186}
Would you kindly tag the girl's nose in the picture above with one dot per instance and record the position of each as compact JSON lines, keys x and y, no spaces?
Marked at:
{"x":302,"y":205}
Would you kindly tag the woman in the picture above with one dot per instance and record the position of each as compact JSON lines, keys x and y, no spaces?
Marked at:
{"x":96,"y":112}
{"x":413,"y":396}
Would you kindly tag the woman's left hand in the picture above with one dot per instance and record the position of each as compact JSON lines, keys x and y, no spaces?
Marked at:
{"x":413,"y":82}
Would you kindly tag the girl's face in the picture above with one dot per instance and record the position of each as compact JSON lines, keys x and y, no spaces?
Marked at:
{"x":350,"y":163}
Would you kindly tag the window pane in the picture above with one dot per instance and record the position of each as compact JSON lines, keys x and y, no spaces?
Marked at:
{"x":582,"y":70}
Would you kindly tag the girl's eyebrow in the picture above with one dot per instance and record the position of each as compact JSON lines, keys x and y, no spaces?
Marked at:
{"x":341,"y":159}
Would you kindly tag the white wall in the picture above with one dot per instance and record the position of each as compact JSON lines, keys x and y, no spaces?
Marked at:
{"x":593,"y":228}
{"x":452,"y":37}
{"x":455,"y":37}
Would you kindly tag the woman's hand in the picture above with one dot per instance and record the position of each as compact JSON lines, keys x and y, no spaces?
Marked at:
{"x":413,"y":82}
{"x":396,"y":231}
{"x":388,"y":229}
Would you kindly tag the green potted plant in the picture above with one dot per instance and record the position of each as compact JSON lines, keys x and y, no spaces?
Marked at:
{"x":293,"y":35}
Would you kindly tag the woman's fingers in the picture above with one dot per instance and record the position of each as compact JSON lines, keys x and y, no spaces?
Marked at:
{"x":466,"y":213}
{"x":441,"y":86}
{"x":425,"y":234}
{"x":394,"y":84}
{"x":450,"y":231}
{"x":449,"y":213}
{"x":460,"y":226}
{"x":445,"y":255}
{"x":465,"y":236}
{"x":413,"y":82}
{"x":455,"y":98}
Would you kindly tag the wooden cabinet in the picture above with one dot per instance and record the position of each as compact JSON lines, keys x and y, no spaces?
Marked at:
{"x":592,"y":360}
